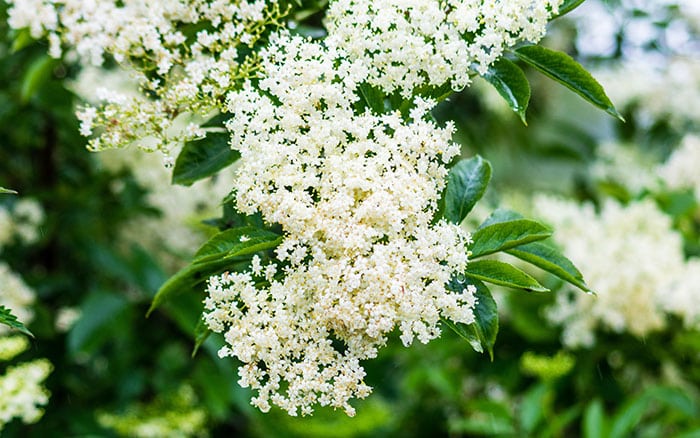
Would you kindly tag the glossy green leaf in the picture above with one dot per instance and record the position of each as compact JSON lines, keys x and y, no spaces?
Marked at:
{"x":503,"y":274}
{"x":37,"y":74}
{"x":236,"y":242}
{"x":563,"y":69}
{"x":201,"y":333}
{"x":4,"y":190}
{"x":510,"y":82}
{"x":466,"y":184}
{"x":203,"y":158}
{"x":505,"y":235}
{"x":10,"y":320}
{"x":190,"y":277}
{"x":551,"y":260}
{"x":482,"y":333}
{"x":224,"y":250}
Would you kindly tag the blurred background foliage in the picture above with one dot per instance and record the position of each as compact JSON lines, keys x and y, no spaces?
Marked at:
{"x":116,"y":373}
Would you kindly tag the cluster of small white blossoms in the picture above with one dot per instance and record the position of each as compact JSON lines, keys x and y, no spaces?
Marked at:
{"x":20,"y":222}
{"x":406,"y":44}
{"x":20,"y":385}
{"x":629,"y":255}
{"x":680,"y":171}
{"x":625,"y":164}
{"x":187,"y":73}
{"x":355,"y":195}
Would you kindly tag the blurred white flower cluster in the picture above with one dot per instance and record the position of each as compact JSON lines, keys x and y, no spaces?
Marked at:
{"x":632,"y":258}
{"x":681,"y":170}
{"x":187,"y":70}
{"x":355,"y":194}
{"x":21,"y":391}
{"x":406,"y":44}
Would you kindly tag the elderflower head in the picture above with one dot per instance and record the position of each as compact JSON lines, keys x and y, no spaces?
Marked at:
{"x":175,"y":74}
{"x":355,"y":195}
{"x":405,"y":44}
{"x":630,"y":257}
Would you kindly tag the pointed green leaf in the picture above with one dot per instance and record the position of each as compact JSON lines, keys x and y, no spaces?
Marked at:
{"x":229,"y":248}
{"x":482,"y":333}
{"x":203,"y":158}
{"x":466,"y":184}
{"x":510,"y":82}
{"x":551,"y":260}
{"x":4,"y":190}
{"x":201,"y":333}
{"x":503,"y":274}
{"x":505,"y":235}
{"x":9,"y":319}
{"x":191,"y":277}
{"x":563,"y":69}
{"x":237,"y":242}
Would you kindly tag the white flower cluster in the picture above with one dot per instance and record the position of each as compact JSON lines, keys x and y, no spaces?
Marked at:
{"x":355,"y":194}
{"x":20,"y":222}
{"x":15,"y":295}
{"x":22,"y":392}
{"x":406,"y":44}
{"x":187,"y":71}
{"x":680,"y":171}
{"x":635,"y":242}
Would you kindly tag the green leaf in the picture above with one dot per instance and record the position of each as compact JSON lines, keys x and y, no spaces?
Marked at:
{"x":36,"y":75}
{"x":201,"y":333}
{"x":4,"y":190}
{"x":628,"y":418}
{"x":510,"y":82}
{"x":503,"y":274}
{"x":224,"y":250}
{"x":373,"y":97}
{"x":501,"y":215}
{"x":563,"y":69}
{"x":21,"y":39}
{"x":466,"y":184}
{"x":236,"y":242}
{"x":567,"y":6}
{"x":96,"y":324}
{"x":189,"y":277}
{"x":10,"y":320}
{"x":532,"y":407}
{"x":482,"y":333}
{"x":202,"y":158}
{"x":594,"y":420}
{"x":505,"y":235}
{"x":552,"y":261}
